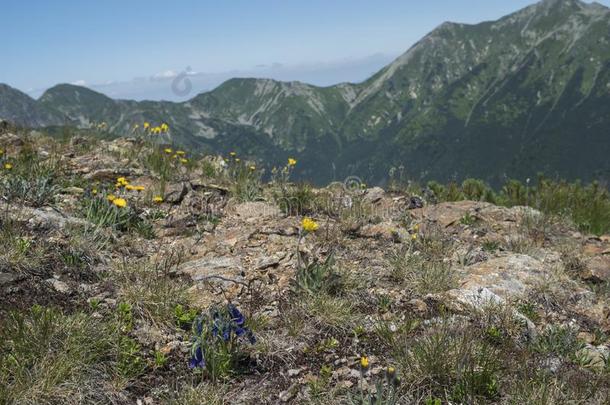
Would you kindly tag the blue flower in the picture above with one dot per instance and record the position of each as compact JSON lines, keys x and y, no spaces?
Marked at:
{"x":226,"y":334}
{"x":240,"y":331}
{"x":236,"y":316}
{"x":197,"y":359}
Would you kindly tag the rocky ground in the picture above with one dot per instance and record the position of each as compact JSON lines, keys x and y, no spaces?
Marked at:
{"x":465,"y":302}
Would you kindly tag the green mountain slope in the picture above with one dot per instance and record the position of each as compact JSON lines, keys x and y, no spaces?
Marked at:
{"x":529,"y":92}
{"x":21,"y":109}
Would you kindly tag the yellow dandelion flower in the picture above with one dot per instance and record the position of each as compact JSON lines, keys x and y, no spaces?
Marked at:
{"x":238,"y":160}
{"x":180,"y":152}
{"x":253,"y":168}
{"x":120,"y":202}
{"x":233,"y":154}
{"x":416,"y":228}
{"x":94,"y":191}
{"x":309,"y":225}
{"x":164,"y":127}
{"x":414,"y":236}
{"x":364,"y":362}
{"x":8,"y":166}
{"x":184,"y":160}
{"x":292,"y":162}
{"x":129,"y":187}
{"x":111,"y":197}
{"x":139,"y":188}
{"x":146,"y":125}
{"x":157,"y":199}
{"x":122,"y":181}
{"x":168,"y":150}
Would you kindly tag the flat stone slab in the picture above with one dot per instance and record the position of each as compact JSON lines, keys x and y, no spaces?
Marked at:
{"x":202,"y":269}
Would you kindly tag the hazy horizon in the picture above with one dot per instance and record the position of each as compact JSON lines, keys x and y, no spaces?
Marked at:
{"x":140,"y":52}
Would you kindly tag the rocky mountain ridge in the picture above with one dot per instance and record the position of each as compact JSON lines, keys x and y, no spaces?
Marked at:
{"x":524,"y":94}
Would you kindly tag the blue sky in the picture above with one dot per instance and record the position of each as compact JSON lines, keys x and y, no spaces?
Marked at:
{"x":97,"y":42}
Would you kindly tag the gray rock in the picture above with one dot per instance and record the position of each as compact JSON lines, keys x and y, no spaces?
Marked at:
{"x":255,"y":211}
{"x":51,"y":219}
{"x":552,"y":364}
{"x":59,"y":286}
{"x":597,"y":270}
{"x":271,"y":261}
{"x":374,"y":194}
{"x":11,"y":140}
{"x":293,"y":372}
{"x":206,"y":268}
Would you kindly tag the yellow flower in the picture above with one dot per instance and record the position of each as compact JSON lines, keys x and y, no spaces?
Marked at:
{"x":185,"y":161}
{"x":364,"y":362}
{"x":120,"y":202}
{"x":157,"y":199}
{"x":164,"y":127}
{"x":146,"y":125}
{"x":237,"y":160}
{"x":121,"y":181}
{"x":168,"y":150}
{"x":233,"y":154}
{"x":94,"y":191}
{"x":111,"y":197}
{"x":8,"y":166}
{"x":180,"y":152}
{"x":134,"y":188}
{"x":414,"y":236}
{"x":391,"y":371}
{"x":309,"y":225}
{"x":253,"y":168}
{"x":292,"y":162}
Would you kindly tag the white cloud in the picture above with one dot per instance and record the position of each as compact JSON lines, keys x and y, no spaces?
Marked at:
{"x":168,"y":74}
{"x":79,"y":83}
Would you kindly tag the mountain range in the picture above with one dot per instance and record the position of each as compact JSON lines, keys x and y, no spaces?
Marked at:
{"x":524,"y":94}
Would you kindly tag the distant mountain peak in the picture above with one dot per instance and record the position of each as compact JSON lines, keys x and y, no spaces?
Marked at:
{"x":66,"y":89}
{"x":568,"y":5}
{"x":559,"y":3}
